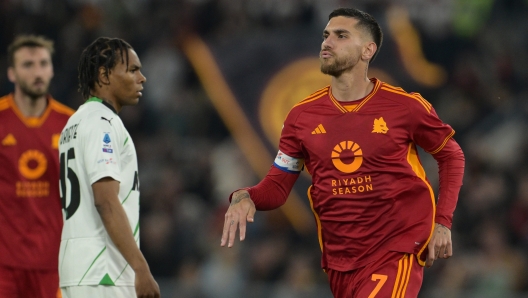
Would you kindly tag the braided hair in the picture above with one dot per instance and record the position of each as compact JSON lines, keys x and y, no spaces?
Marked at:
{"x":103,"y":52}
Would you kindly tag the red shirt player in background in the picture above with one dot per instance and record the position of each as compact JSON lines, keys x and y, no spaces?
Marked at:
{"x":375,"y":210}
{"x":30,"y":206}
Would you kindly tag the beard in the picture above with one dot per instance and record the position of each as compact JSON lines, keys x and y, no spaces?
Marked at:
{"x":339,"y":65}
{"x":34,"y":93}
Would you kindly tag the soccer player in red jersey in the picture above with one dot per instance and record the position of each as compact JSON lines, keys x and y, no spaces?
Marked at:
{"x":375,"y":210}
{"x":30,"y":205}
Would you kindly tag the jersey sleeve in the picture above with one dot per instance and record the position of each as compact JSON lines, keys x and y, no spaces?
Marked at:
{"x":290,"y":156}
{"x":427,"y":130}
{"x":102,"y":145}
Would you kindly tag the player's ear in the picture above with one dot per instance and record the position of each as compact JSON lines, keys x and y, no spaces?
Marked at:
{"x":11,"y":74}
{"x":369,"y":50}
{"x":103,"y":75}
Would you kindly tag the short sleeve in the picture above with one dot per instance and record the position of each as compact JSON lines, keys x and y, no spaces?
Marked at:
{"x":427,"y":129}
{"x":101,"y":147}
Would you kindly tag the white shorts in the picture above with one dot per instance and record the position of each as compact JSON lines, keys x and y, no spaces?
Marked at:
{"x":98,"y":291}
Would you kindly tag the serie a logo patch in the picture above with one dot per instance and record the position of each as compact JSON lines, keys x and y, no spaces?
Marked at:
{"x":107,"y":147}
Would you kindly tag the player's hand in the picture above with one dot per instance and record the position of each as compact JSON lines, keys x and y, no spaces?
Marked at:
{"x":440,"y":245}
{"x":242,"y":209}
{"x":146,"y":286}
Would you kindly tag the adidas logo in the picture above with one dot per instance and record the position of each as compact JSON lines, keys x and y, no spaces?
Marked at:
{"x":319,"y":130}
{"x":9,"y":140}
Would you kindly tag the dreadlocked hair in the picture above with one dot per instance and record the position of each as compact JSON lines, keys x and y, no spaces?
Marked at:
{"x":103,"y":52}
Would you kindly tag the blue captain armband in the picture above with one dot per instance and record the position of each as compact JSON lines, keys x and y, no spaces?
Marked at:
{"x":288,"y":164}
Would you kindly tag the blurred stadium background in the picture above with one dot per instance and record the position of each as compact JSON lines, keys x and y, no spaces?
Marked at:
{"x":221,"y":76}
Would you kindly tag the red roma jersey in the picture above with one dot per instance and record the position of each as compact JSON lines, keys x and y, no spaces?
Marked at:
{"x":30,"y":204}
{"x":369,"y":192}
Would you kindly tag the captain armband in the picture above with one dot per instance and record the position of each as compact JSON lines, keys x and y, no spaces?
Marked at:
{"x":288,"y":164}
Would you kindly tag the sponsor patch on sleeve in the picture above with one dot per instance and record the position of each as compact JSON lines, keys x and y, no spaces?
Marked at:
{"x":107,"y":146}
{"x":288,"y":164}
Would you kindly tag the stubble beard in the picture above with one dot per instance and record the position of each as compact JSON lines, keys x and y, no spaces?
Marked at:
{"x":336,"y":68}
{"x":33,"y":93}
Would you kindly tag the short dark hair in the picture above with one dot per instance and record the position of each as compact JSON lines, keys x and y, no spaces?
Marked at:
{"x":103,"y":52}
{"x":30,"y":41}
{"x":366,"y":22}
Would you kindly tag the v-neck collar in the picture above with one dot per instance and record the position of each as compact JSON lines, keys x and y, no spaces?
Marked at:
{"x":360,"y":103}
{"x":30,"y":121}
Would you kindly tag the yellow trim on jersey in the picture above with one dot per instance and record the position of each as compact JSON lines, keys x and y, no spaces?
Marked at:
{"x":350,"y":107}
{"x":60,"y":108}
{"x":393,"y":87}
{"x":29,"y":121}
{"x":414,"y":161}
{"x":415,"y":96}
{"x":8,"y":101}
{"x":317,"y":94}
{"x":310,"y":99}
{"x":336,"y":103}
{"x":405,"y":272}
{"x":364,"y":101}
{"x":317,"y":220}
{"x":443,"y":143}
{"x":403,"y":276}
{"x":4,"y":104}
{"x":411,"y":257}
{"x":397,"y":281}
{"x":422,"y":98}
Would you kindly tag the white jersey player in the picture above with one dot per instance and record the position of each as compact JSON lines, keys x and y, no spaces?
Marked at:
{"x":93,"y":145}
{"x":99,"y":185}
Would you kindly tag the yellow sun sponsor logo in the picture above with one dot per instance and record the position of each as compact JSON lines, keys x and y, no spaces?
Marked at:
{"x":350,"y":185}
{"x":32,"y":164}
{"x":340,"y":149}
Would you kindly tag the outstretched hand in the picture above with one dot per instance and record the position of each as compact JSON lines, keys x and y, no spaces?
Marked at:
{"x":242,"y":209}
{"x":440,"y":245}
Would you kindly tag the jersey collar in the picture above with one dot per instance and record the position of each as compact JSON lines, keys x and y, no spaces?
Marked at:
{"x":30,"y":121}
{"x":97,"y":99}
{"x":361,"y":102}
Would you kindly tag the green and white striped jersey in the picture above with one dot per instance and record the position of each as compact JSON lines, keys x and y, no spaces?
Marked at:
{"x":95,"y":144}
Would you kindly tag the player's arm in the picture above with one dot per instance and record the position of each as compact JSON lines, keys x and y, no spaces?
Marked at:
{"x":269,"y":194}
{"x":451,"y":171}
{"x":115,"y":220}
{"x":273,"y":190}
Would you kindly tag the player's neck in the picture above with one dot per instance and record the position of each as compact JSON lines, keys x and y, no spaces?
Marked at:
{"x":106,"y":97}
{"x":350,"y":86}
{"x":28,"y":106}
